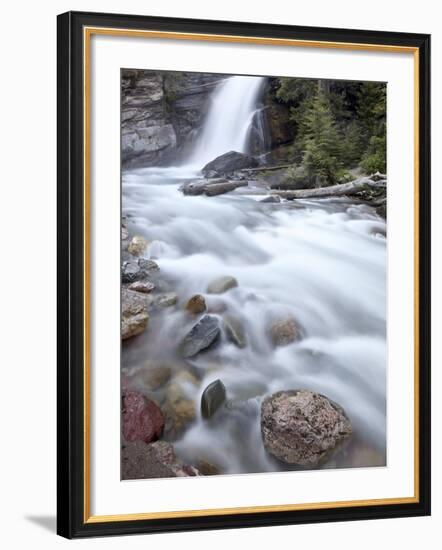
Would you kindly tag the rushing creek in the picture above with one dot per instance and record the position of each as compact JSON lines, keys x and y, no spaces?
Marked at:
{"x":320,"y":262}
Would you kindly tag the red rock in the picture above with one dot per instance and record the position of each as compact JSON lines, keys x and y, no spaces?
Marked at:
{"x":142,"y":418}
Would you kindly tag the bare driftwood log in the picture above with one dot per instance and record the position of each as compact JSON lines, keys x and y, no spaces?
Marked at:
{"x":220,"y":188}
{"x":266,"y":168}
{"x":215,"y":186}
{"x":198,"y":187}
{"x":339,"y":190}
{"x":378,"y":176}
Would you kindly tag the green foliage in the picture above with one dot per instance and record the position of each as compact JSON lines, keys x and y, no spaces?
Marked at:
{"x":322,"y":152}
{"x":375,"y":158}
{"x":337,"y":125}
{"x":371,"y":108}
{"x":353,"y":144}
{"x":295,"y":90}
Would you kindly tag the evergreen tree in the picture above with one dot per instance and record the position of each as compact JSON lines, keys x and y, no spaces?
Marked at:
{"x":336,"y":124}
{"x":322,"y":150}
{"x":371,"y":110}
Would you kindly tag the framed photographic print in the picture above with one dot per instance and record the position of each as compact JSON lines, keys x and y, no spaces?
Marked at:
{"x":243,"y":274}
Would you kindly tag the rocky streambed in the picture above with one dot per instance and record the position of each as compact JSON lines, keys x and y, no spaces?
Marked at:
{"x":253,"y":331}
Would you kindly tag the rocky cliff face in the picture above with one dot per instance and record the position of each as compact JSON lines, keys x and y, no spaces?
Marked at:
{"x":161,"y":113}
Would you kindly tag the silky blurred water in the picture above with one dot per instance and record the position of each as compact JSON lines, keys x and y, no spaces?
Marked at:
{"x":320,"y":262}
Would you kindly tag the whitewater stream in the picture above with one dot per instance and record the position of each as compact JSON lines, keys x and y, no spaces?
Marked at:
{"x":320,"y":262}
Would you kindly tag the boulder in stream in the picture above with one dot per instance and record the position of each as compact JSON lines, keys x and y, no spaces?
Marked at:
{"x":134,"y":316}
{"x":284,"y":331}
{"x":137,"y":245}
{"x":138,"y":270}
{"x":201,"y":337}
{"x":196,"y":304}
{"x":212,"y":399}
{"x":228,"y":163}
{"x":142,"y":286}
{"x":142,"y":419}
{"x":302,"y":427}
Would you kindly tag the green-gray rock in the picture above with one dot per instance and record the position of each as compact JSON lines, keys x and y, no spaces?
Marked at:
{"x":202,"y":336}
{"x":212,"y":399}
{"x":222,"y":284}
{"x":235,"y":331}
{"x":154,"y":376}
{"x":166,"y":299}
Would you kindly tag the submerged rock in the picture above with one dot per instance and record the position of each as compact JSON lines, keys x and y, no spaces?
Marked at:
{"x":180,"y":411}
{"x":154,"y":376}
{"x":235,"y":331}
{"x":137,"y":245}
{"x":142,"y":419}
{"x":134,"y":316}
{"x":212,"y":399}
{"x":216,"y":306}
{"x":142,"y":461}
{"x":302,"y":427}
{"x":196,"y":304}
{"x":166,"y":299}
{"x":124,"y":234}
{"x":202,"y":336}
{"x":222,"y":284}
{"x":271,"y":199}
{"x":148,"y":266}
{"x":284,"y":332}
{"x":207,"y":468}
{"x":228,"y":163}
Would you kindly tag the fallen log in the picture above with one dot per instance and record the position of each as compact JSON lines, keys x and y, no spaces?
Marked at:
{"x":220,"y":188}
{"x":266,"y":168}
{"x":198,"y":187}
{"x":339,"y":190}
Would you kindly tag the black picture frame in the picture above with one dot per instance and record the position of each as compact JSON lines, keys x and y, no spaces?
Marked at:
{"x":72,"y":521}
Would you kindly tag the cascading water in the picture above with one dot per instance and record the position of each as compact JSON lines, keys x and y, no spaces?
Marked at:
{"x":320,"y":262}
{"x":230,"y":116}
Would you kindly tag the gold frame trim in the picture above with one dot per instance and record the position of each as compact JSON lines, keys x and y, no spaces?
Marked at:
{"x":87,"y":34}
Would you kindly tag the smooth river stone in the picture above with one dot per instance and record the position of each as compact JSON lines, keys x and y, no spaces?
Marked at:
{"x":202,"y":336}
{"x":212,"y":399}
{"x":235,"y":331}
{"x":222,"y":284}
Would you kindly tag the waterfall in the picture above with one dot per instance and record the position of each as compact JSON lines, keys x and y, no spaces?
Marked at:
{"x":230,"y":117}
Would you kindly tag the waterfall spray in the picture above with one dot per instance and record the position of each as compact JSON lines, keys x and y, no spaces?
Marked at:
{"x":228,"y":122}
